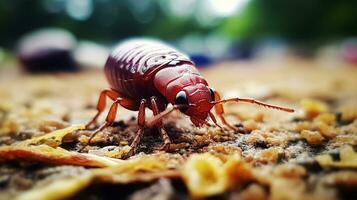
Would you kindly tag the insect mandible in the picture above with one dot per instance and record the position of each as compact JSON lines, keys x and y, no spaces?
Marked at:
{"x":149,"y":74}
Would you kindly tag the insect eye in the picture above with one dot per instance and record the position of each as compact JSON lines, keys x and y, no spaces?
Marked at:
{"x":211,"y":93}
{"x":181,"y":99}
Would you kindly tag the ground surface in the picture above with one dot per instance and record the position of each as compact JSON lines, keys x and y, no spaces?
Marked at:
{"x":272,"y":155}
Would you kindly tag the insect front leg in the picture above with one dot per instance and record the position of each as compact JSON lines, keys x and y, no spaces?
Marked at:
{"x":140,"y":133}
{"x":101,"y":104}
{"x":220,"y":111}
{"x":165,"y":137}
{"x":109,"y":120}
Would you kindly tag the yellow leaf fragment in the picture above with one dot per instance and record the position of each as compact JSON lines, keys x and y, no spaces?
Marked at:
{"x":45,"y":149}
{"x":141,"y":169}
{"x":206,"y":175}
{"x":326,"y":118}
{"x":314,"y":138}
{"x":349,"y":113}
{"x":348,"y":159}
{"x":250,"y":125}
{"x":61,"y":189}
{"x":313,"y":108}
{"x":53,"y":139}
{"x":325,"y":129}
{"x":141,"y":163}
{"x":46,"y":154}
{"x":270,"y":155}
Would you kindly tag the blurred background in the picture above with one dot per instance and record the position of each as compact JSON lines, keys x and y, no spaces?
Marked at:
{"x":82,"y":32}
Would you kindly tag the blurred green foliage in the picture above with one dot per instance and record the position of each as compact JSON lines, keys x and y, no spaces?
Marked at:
{"x":299,"y":20}
{"x":111,"y":20}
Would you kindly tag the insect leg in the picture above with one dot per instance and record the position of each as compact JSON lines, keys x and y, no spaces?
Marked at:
{"x":152,"y":122}
{"x":109,"y":120}
{"x":162,"y":132}
{"x":102,"y":102}
{"x":220,"y":111}
{"x":214,"y":120}
{"x":140,"y":133}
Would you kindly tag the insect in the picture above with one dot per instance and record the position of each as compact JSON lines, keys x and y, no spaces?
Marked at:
{"x":149,"y":74}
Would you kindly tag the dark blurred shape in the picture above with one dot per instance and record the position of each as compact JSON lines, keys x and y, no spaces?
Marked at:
{"x":349,"y":51}
{"x":304,"y":51}
{"x":242,"y":50}
{"x":47,"y":50}
{"x":201,"y":60}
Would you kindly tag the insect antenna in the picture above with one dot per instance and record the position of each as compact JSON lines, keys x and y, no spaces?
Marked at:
{"x":253,"y":101}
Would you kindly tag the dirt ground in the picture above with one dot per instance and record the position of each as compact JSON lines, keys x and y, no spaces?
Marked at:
{"x":308,"y":154}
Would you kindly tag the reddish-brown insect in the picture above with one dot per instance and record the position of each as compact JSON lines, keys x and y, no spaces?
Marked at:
{"x":147,"y":73}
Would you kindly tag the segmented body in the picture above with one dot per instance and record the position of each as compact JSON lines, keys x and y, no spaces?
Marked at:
{"x":132,"y":70}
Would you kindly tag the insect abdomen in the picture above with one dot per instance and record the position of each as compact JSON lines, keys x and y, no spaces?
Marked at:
{"x":131,"y":66}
